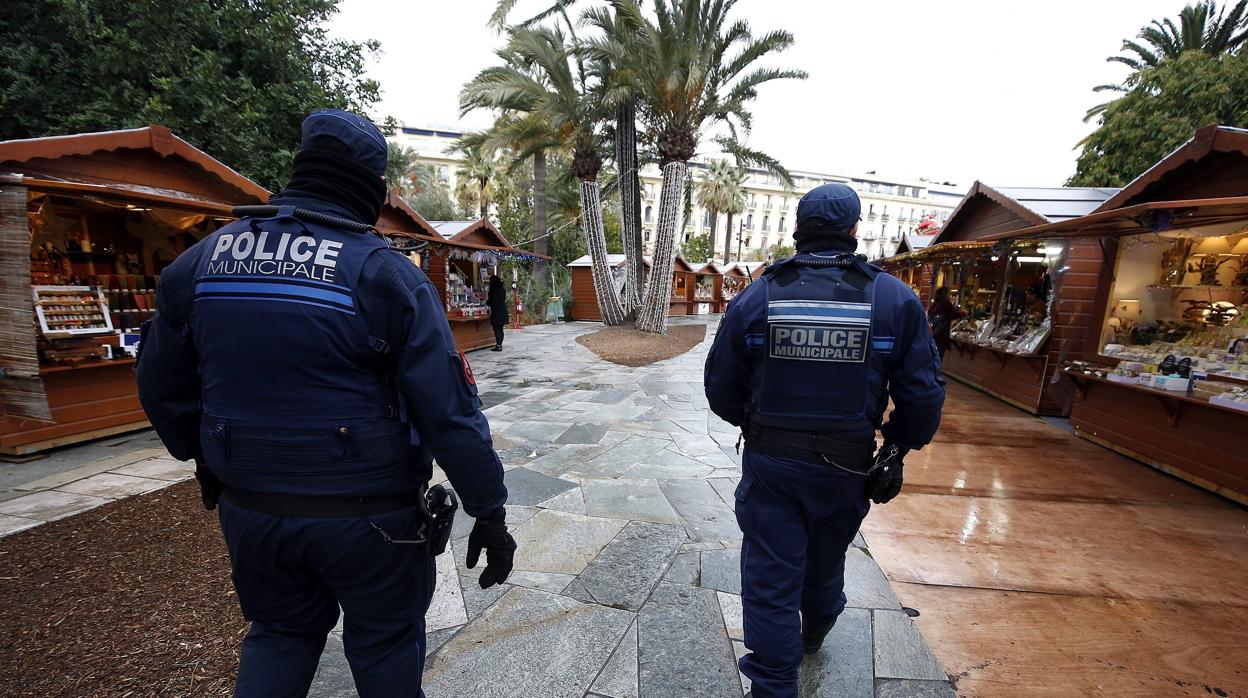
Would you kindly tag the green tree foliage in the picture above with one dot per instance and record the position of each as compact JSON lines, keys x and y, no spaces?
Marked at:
{"x":776,"y":251}
{"x":698,"y":249}
{"x":1201,"y":27}
{"x":1167,"y":103}
{"x":234,"y":77}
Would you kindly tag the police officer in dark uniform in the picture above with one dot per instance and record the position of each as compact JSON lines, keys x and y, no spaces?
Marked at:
{"x":805,"y":362}
{"x":311,"y":373}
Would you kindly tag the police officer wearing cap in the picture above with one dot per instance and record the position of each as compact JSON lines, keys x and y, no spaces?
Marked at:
{"x":310,"y":372}
{"x":805,"y":362}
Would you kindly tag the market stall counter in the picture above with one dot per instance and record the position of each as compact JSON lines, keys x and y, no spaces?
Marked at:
{"x":1027,"y":302}
{"x":735,"y":280}
{"x":708,"y":293}
{"x":87,"y":224}
{"x":459,"y":257}
{"x":1165,"y":379}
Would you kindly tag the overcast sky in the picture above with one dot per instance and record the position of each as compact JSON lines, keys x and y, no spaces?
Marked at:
{"x":953,"y":90}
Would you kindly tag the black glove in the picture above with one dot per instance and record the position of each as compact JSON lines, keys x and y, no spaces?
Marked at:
{"x":885,"y":477}
{"x":210,"y":487}
{"x":500,"y":551}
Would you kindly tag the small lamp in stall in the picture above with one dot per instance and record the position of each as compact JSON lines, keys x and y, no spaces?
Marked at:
{"x":1124,"y":316}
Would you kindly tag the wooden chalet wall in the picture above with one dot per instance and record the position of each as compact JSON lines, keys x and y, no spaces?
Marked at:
{"x":584,"y":296}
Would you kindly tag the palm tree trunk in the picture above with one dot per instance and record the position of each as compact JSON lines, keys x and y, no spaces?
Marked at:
{"x":714,"y":220}
{"x":728,"y":238}
{"x":658,"y":298}
{"x":596,"y":243}
{"x":541,"y":243}
{"x":485,"y":204}
{"x":630,"y":203}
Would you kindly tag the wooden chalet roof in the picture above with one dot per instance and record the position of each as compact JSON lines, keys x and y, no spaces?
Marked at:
{"x":149,"y":163}
{"x":1212,"y":164}
{"x":987,"y":211}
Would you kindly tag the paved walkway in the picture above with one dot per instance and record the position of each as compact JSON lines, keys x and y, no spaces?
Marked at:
{"x":627,"y":577}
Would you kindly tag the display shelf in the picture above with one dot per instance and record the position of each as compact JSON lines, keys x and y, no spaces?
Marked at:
{"x":1172,"y":400}
{"x":1195,"y":287}
{"x":96,"y":363}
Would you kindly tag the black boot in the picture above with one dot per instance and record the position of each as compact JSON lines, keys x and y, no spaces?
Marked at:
{"x":497,"y":347}
{"x":812,"y":637}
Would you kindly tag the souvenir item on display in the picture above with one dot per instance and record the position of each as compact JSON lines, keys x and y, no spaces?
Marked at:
{"x":1169,"y":364}
{"x":1174,"y":262}
{"x":1208,"y":267}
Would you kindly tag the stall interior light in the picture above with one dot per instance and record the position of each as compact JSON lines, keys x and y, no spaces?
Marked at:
{"x":1029,"y":259}
{"x":1048,"y":250}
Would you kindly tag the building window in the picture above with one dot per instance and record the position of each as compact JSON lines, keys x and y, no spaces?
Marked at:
{"x":784,"y":226}
{"x":706,"y":219}
{"x":442,"y":176}
{"x":649,"y":210}
{"x":749,"y":221}
{"x":766,"y":223}
{"x":768,"y":203}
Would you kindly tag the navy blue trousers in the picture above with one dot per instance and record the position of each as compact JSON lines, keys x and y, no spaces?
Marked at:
{"x":798,"y":519}
{"x":292,"y":574}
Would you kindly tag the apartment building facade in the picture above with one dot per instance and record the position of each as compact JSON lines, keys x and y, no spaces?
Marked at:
{"x":890,"y":207}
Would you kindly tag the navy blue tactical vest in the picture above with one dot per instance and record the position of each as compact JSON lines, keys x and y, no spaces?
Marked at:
{"x":822,"y":358}
{"x":297,"y":397}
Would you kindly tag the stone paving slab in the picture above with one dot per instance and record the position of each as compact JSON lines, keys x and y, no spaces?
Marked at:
{"x":526,"y":487}
{"x":623,"y":575}
{"x":112,"y":485}
{"x":619,"y":678}
{"x":630,"y":499}
{"x":683,"y":650}
{"x":13,"y":524}
{"x":900,"y":652}
{"x":721,"y":570}
{"x":49,"y":505}
{"x":446,"y":610}
{"x":911,"y":688}
{"x":554,"y":541}
{"x":865,"y":585}
{"x":843,"y":667}
{"x":704,"y":514}
{"x":529,"y":643}
{"x":159,"y":469}
{"x":67,"y":476}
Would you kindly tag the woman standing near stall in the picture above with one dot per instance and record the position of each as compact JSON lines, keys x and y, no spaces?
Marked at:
{"x":941,"y":316}
{"x":496,"y":299}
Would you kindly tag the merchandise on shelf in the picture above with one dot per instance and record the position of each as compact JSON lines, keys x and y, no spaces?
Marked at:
{"x":65,"y":311}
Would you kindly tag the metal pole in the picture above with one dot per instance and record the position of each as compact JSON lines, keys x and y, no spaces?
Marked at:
{"x":740,"y":232}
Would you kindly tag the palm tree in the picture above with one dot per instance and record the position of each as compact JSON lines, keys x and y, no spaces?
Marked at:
{"x":1201,"y":27}
{"x":693,"y":70}
{"x":722,"y":191}
{"x":543,"y":78}
{"x":478,"y":172}
{"x":623,"y":99}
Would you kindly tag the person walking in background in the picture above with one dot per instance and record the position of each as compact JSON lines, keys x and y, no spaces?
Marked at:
{"x":941,"y":315}
{"x":496,"y":298}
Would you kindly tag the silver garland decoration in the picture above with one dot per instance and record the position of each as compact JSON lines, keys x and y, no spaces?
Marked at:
{"x":596,"y":242}
{"x":658,"y":298}
{"x":626,"y":156}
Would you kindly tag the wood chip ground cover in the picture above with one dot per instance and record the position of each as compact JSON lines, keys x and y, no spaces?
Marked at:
{"x":627,"y":346}
{"x":131,"y":599}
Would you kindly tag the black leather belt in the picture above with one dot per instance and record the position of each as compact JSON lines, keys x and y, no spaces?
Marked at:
{"x":319,"y":507}
{"x":855,"y":456}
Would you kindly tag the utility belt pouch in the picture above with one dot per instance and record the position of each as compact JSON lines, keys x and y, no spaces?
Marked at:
{"x":442,"y":505}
